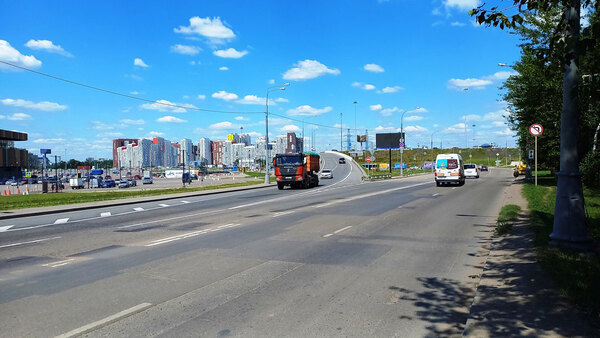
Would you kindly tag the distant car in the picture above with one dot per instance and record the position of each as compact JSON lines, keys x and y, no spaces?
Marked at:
{"x":131,"y":182}
{"x":186,"y":178}
{"x":137,"y":177}
{"x":24,"y":181}
{"x":147,"y":180}
{"x":123,"y":184}
{"x":3,"y":181}
{"x":108,"y":184}
{"x":108,"y":177}
{"x":342,"y":160}
{"x":484,"y":168}
{"x":14,"y":183}
{"x":471,"y":170}
{"x":326,"y":173}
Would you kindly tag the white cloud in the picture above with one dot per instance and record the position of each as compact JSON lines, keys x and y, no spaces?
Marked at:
{"x":387,"y":129}
{"x":253,"y":99}
{"x":272,"y":81}
{"x":413,"y":118}
{"x":364,"y":86}
{"x":223,"y":95}
{"x":48,"y":46}
{"x":457,"y":24}
{"x":462,"y":5}
{"x":481,"y":83}
{"x":223,"y":68}
{"x":49,"y":140}
{"x":468,"y":83}
{"x":165,"y":106}
{"x":375,"y":107}
{"x":230,"y":53}
{"x":281,"y":99}
{"x":156,"y":133}
{"x":222,"y":125}
{"x":140,"y":63}
{"x":16,"y":117}
{"x":185,"y":49}
{"x":306,"y":110}
{"x":388,"y":90}
{"x":289,"y":127}
{"x":471,"y":117}
{"x":498,"y":124}
{"x":390,"y":111}
{"x":9,"y":54}
{"x":132,"y":122}
{"x":43,"y":106}
{"x":459,"y":127}
{"x":505,"y":132}
{"x":371,"y":67}
{"x":102,"y":126}
{"x":308,"y":69}
{"x":170,"y":119}
{"x":241,"y":118}
{"x":201,"y":97}
{"x":207,"y":27}
{"x":415,"y":129}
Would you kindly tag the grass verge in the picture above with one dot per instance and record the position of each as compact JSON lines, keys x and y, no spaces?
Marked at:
{"x":507,"y":217}
{"x":576,"y":274}
{"x":44,"y":200}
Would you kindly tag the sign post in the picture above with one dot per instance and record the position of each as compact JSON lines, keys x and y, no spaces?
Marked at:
{"x":536,"y":130}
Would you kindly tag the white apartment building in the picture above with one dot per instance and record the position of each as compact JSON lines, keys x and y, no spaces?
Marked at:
{"x":205,"y":151}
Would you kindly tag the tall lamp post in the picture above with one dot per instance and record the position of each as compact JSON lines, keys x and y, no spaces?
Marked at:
{"x":431,"y":148}
{"x":341,"y":130}
{"x":355,"y":130}
{"x":403,"y":140}
{"x":267,"y":160}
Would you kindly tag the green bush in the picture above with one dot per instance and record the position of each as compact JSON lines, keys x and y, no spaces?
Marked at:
{"x":590,"y":169}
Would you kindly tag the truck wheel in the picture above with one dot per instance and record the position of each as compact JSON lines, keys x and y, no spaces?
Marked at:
{"x":280,"y":185}
{"x":439,"y":184}
{"x":316,"y":181}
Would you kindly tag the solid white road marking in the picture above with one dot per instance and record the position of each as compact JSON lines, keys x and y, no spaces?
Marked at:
{"x":342,"y":229}
{"x":107,"y":320}
{"x":105,"y":214}
{"x":453,"y":188}
{"x":328,"y":235}
{"x":400,"y":207}
{"x":434,"y":195}
{"x":59,"y":263}
{"x":138,"y":209}
{"x":61,"y":221}
{"x":190,"y":234}
{"x":2,"y":229}
{"x":28,"y":242}
{"x":163,"y":205}
{"x":185,"y":202}
{"x":277,"y":214}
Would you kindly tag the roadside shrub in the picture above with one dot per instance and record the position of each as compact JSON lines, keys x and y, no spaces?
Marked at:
{"x":590,"y":169}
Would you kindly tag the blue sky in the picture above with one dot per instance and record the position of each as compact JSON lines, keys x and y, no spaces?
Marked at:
{"x":423,"y":58}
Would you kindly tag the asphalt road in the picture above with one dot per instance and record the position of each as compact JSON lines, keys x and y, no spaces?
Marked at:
{"x":388,"y":258}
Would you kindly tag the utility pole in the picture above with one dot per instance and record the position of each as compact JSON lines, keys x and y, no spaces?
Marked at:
{"x":183,"y":168}
{"x":355,"y":130}
{"x":570,"y":229}
{"x":341,"y":132}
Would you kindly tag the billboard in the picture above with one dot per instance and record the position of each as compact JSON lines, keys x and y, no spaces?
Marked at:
{"x":361,"y":138}
{"x":45,"y":151}
{"x":388,"y":140}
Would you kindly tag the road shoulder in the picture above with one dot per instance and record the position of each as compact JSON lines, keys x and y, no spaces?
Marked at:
{"x":514,"y":296}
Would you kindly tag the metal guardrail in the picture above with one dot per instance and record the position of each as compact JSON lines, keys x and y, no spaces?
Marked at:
{"x":379,"y":177}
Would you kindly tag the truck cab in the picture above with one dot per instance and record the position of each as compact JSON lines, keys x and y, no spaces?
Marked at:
{"x":297,"y":170}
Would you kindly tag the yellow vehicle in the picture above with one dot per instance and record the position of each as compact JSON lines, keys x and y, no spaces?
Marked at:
{"x":520,"y":170}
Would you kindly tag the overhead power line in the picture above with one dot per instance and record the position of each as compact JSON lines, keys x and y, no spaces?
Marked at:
{"x":126,"y":95}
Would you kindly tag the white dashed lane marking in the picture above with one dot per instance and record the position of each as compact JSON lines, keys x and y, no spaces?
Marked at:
{"x":138,"y":209}
{"x":28,"y":242}
{"x":190,"y":234}
{"x":337,"y":231}
{"x":59,"y":263}
{"x":185,"y":202}
{"x":2,"y":229}
{"x":105,"y":214}
{"x":61,"y":221}
{"x":436,"y":194}
{"x":163,"y":205}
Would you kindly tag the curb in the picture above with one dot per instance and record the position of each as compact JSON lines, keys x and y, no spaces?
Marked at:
{"x":117,"y":202}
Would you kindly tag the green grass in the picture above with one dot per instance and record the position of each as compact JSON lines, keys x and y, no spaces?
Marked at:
{"x":507,"y":217}
{"x":576,"y":274}
{"x":43,"y":200}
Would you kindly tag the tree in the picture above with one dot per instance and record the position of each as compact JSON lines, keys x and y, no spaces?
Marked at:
{"x":569,"y":217}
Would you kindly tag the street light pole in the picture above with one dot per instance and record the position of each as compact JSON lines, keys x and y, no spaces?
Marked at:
{"x":431,"y":149}
{"x":267,"y":160}
{"x":403,"y":139}
{"x":355,"y":130}
{"x":341,"y":129}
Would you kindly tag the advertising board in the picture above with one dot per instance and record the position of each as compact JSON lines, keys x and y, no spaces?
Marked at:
{"x":388,"y":140}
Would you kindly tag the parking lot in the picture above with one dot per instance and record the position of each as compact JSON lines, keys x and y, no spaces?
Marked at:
{"x":158,"y":183}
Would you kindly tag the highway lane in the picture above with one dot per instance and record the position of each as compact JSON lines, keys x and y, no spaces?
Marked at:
{"x":292,"y":264}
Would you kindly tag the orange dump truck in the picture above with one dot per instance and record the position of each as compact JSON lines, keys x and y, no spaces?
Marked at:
{"x":298,"y":170}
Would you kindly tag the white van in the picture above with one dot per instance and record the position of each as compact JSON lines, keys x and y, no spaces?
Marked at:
{"x":449,"y":168}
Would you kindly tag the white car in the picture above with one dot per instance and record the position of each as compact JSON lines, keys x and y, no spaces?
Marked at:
{"x":471,"y":170}
{"x":326,"y":173}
